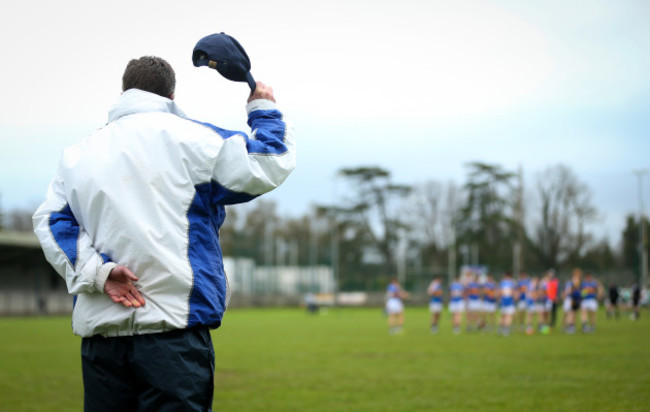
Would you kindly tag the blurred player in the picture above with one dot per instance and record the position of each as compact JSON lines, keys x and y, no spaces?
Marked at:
{"x":489,"y":304}
{"x":552,"y":294}
{"x":456,"y":303}
{"x":523,"y":284}
{"x":435,"y":304}
{"x":533,"y":309}
{"x":473,"y":293}
{"x":572,"y":298}
{"x":507,"y":304}
{"x":591,"y":290}
{"x":544,"y":304}
{"x":612,"y":301}
{"x":395,"y":307}
{"x":636,"y":301}
{"x":566,"y":301}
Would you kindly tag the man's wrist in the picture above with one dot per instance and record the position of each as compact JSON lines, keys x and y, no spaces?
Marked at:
{"x":102,"y":275}
{"x":260,"y":104}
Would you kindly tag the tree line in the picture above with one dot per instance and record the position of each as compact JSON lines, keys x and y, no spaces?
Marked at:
{"x":379,"y":228}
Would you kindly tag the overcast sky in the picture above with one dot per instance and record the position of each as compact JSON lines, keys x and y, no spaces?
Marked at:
{"x":420,"y":88}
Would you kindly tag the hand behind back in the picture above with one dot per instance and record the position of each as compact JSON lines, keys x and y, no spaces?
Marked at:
{"x":120,"y":288}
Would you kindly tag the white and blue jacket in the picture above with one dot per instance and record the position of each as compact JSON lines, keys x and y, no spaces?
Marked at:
{"x":148,"y":191}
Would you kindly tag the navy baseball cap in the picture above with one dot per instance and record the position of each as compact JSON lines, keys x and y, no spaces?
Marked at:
{"x":222,"y":52}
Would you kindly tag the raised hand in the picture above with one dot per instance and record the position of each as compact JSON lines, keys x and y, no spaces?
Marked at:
{"x":262,"y":91}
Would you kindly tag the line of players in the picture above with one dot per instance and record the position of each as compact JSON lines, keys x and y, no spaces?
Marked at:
{"x":528,"y":300}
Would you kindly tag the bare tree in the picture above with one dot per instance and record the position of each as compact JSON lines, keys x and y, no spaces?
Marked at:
{"x":425,"y":212}
{"x":432,"y":210}
{"x":560,"y":233}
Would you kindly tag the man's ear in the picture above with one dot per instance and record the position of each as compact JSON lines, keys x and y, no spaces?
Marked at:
{"x":171,"y":96}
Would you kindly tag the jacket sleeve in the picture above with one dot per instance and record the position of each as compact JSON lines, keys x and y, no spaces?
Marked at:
{"x":248,"y":166}
{"x":67,"y":246}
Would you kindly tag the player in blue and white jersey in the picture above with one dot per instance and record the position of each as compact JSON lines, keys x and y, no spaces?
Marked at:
{"x":538,"y":306}
{"x":591,"y":290}
{"x":489,"y":303}
{"x":474,"y":304}
{"x":543,"y":304}
{"x":456,"y":303}
{"x":572,"y":298}
{"x":523,"y":284}
{"x":435,"y":303}
{"x":566,"y":299}
{"x":532,"y":307}
{"x":507,"y":289}
{"x":395,"y":307}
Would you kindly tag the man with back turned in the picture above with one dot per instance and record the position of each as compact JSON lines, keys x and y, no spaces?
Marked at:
{"x":131,"y":221}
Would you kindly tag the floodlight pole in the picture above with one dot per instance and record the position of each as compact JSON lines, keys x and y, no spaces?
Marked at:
{"x":643,"y":250}
{"x":335,"y":255}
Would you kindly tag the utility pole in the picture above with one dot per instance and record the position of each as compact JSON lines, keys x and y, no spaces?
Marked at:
{"x":474,"y":254}
{"x":519,"y":219}
{"x":270,"y":282}
{"x":451,"y":255}
{"x":313,"y":256}
{"x":334,"y":239}
{"x":643,"y":248}
{"x":402,"y":247}
{"x":335,"y":254}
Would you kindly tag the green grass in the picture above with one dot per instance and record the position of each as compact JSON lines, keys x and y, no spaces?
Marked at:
{"x":286,"y":360}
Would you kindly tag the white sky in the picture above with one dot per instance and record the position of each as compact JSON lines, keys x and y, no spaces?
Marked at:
{"x":418,"y":87}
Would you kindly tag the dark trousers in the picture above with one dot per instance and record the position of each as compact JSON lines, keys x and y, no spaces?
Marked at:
{"x":171,"y":371}
{"x":553,"y":313}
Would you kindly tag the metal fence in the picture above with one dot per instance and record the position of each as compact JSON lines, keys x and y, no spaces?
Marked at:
{"x":246,"y":278}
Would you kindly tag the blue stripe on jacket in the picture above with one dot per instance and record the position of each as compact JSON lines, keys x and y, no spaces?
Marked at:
{"x":269,"y":129}
{"x":205,"y":216}
{"x":65,"y":229}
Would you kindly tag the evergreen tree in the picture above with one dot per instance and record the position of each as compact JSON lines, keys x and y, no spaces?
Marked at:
{"x":486,"y":226}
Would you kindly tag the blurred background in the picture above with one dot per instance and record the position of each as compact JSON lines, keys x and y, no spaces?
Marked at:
{"x":431,"y":135}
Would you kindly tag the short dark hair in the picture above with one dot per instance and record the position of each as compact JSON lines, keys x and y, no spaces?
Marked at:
{"x":151,"y":74}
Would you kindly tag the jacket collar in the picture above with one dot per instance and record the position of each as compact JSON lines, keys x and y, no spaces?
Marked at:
{"x":138,"y":101}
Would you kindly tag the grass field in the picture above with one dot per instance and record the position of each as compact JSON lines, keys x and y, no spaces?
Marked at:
{"x":344,"y":360}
